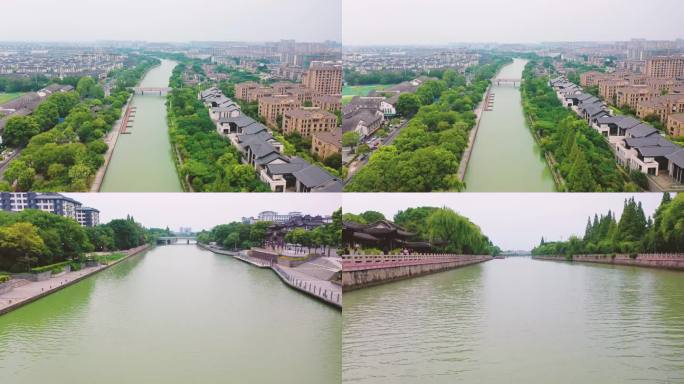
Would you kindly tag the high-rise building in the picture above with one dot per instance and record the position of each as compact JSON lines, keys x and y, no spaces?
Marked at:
{"x":665,"y":67}
{"x":324,"y":78}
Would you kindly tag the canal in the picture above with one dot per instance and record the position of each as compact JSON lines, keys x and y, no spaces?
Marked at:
{"x":175,"y":314}
{"x":518,"y":320}
{"x":505,"y":157}
{"x":142,"y":161}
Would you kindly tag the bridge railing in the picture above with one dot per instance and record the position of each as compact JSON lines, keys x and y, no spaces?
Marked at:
{"x":361,"y":262}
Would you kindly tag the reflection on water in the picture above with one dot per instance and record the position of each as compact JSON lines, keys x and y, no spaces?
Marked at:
{"x":505,"y":157}
{"x":520,"y":321}
{"x":177,"y":314}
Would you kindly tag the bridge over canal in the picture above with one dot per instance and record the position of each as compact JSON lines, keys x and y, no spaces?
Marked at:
{"x":171,"y":240}
{"x":161,"y":91}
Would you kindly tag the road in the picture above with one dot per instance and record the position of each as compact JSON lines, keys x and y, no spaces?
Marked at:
{"x":358,"y":164}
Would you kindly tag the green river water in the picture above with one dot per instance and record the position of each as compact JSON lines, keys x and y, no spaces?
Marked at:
{"x":505,"y":157}
{"x":175,"y":314}
{"x":518,"y":320}
{"x":142,"y":161}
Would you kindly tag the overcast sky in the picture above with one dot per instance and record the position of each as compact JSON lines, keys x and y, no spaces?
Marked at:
{"x":430,"y":22}
{"x":202,"y":210}
{"x":170,"y":20}
{"x":513,"y":221}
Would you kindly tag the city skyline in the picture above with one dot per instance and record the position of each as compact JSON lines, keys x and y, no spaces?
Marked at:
{"x":515,"y":221}
{"x":199,"y":211}
{"x":440,"y":22}
{"x":159,"y":21}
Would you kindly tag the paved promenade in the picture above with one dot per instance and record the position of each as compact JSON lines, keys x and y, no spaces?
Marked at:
{"x":111,"y":140}
{"x":295,"y":277}
{"x":28,"y":291}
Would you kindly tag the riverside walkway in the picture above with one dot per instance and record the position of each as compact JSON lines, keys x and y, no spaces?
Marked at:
{"x":26,"y":291}
{"x":294,"y":277}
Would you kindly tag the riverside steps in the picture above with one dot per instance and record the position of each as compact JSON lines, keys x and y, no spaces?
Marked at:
{"x":326,"y":291}
{"x":360,"y":271}
{"x":650,"y":260}
{"x":30,"y":291}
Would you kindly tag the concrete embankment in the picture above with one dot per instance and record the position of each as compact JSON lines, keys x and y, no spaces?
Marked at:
{"x":361,"y":271}
{"x":652,"y":260}
{"x":322,"y":290}
{"x":463,"y":166}
{"x":33,"y":291}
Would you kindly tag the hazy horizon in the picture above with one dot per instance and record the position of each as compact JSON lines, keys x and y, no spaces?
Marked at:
{"x":440,"y":22}
{"x":201,"y":210}
{"x":171,"y":21}
{"x":513,"y":221}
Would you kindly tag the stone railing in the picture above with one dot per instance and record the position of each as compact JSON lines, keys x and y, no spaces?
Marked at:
{"x":362,"y":262}
{"x":657,"y":260}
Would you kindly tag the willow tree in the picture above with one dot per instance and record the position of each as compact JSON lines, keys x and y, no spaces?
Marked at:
{"x":455,"y":233}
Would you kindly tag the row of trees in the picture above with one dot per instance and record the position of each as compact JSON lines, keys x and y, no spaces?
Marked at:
{"x":584,"y":158}
{"x":244,"y":236}
{"x":33,"y":238}
{"x":64,"y":137}
{"x":445,"y":229}
{"x":352,"y":77}
{"x":426,"y":154}
{"x":209,"y":161}
{"x":22,"y":84}
{"x":633,"y":232}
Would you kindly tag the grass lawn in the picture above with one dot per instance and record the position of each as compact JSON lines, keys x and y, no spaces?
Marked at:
{"x":349,"y":92}
{"x":5,"y":97}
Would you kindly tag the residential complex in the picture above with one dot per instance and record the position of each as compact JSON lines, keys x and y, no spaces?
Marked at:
{"x":637,"y":145}
{"x":50,"y":202}
{"x":261,"y":149}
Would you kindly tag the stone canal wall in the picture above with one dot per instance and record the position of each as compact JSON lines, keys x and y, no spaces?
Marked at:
{"x":31,"y":293}
{"x":651,"y":260}
{"x":360,"y":271}
{"x":322,"y":290}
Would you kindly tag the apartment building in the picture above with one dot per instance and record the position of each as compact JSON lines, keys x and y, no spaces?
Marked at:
{"x":307,"y":121}
{"x":330,"y":103}
{"x":665,"y":67}
{"x":324,"y":78}
{"x":326,"y":144}
{"x":675,"y":124}
{"x":242,"y":89}
{"x":50,"y":202}
{"x":273,"y":106}
{"x":631,"y":96}
{"x":661,"y":106}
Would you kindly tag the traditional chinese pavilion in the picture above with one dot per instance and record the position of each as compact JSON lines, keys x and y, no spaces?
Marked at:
{"x":383,"y":235}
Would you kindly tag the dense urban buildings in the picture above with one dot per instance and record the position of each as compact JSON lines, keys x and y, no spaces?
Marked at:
{"x":50,"y":202}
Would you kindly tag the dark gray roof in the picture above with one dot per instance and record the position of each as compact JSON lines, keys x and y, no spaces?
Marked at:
{"x":313,"y":176}
{"x":241,"y":121}
{"x":677,"y":158}
{"x":295,"y":164}
{"x":331,"y":186}
{"x":248,"y":139}
{"x":642,"y":130}
{"x":652,"y":146}
{"x":269,"y":158}
{"x":255,"y":128}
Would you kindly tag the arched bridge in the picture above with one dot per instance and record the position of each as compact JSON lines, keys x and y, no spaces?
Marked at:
{"x":161,"y":91}
{"x":170,"y":240}
{"x":514,"y":82}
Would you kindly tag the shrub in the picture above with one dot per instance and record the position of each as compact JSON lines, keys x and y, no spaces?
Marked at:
{"x":59,"y":267}
{"x":4,"y":278}
{"x":371,"y":251}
